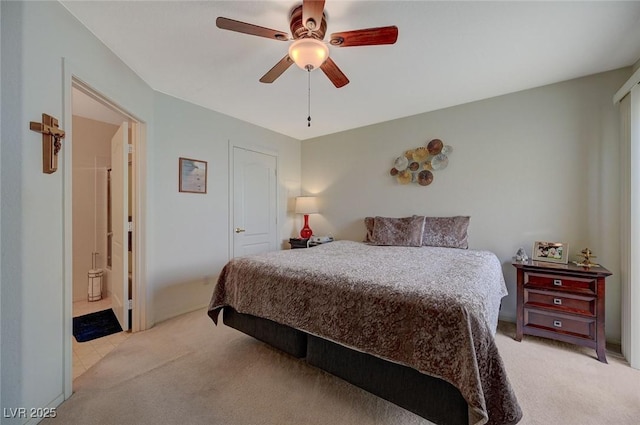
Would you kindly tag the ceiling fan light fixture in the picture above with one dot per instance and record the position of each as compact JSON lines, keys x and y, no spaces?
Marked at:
{"x":308,"y":53}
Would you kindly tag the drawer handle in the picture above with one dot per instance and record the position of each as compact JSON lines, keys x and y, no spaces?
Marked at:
{"x":557,"y":323}
{"x":557,"y":282}
{"x":557,"y":301}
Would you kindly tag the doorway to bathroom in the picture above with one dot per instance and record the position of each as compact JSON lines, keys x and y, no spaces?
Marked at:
{"x":103,"y":194}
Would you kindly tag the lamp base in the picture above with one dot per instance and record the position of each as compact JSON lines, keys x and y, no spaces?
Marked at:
{"x":306,"y":232}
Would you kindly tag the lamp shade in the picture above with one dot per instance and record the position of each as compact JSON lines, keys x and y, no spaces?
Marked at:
{"x":308,"y":53}
{"x":306,"y":205}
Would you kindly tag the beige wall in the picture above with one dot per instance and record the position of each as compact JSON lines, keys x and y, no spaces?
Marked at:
{"x":91,"y":159}
{"x":541,"y":164}
{"x":190,"y":242}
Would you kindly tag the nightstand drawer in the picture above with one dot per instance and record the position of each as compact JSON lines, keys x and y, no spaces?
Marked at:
{"x":560,"y":282}
{"x":579,"y":326}
{"x":560,"y":301}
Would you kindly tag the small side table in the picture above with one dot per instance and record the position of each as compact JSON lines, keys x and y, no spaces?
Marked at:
{"x":298,"y":243}
{"x":564,"y":302}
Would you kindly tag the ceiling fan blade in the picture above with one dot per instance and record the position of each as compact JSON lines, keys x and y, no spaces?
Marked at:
{"x":243,"y":27}
{"x":332,"y":71}
{"x":365,"y":37}
{"x":277,"y":70}
{"x":312,"y":13}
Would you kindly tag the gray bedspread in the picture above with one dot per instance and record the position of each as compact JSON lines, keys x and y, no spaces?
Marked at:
{"x":433,"y":309}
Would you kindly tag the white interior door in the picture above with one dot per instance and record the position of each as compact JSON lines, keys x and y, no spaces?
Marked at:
{"x":119,"y":225}
{"x":254,"y":202}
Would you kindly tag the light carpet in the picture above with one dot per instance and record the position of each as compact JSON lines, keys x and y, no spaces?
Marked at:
{"x":188,"y":371}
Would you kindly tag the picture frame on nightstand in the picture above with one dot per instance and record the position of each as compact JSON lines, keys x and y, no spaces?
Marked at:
{"x":552,"y":252}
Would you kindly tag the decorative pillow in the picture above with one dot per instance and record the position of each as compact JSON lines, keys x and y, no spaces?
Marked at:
{"x":368,"y":223}
{"x":447,"y":232}
{"x":407,"y":231}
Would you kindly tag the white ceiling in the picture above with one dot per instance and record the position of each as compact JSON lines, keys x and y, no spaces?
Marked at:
{"x":447,"y":53}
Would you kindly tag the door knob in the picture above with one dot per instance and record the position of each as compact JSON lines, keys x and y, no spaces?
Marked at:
{"x":239,"y":230}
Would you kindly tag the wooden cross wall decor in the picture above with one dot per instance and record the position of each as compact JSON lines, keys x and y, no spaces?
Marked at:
{"x":51,"y":141}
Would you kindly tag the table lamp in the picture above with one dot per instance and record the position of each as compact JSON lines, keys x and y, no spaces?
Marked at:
{"x":306,"y":205}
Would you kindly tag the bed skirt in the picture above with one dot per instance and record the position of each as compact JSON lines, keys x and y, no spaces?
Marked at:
{"x":284,"y":338}
{"x":431,"y":398}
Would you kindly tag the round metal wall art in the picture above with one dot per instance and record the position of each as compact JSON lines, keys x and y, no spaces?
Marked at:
{"x":425,"y":177}
{"x":419,"y":165}
{"x":405,"y":177}
{"x":435,"y":146}
{"x":439,"y":162}
{"x":400,"y":164}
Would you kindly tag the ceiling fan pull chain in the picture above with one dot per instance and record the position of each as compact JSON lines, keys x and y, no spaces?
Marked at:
{"x":309,"y":100}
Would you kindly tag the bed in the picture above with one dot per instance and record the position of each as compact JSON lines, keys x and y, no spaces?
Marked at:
{"x":424,"y":318}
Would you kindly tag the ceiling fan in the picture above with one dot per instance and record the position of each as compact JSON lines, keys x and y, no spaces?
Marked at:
{"x":308,"y":24}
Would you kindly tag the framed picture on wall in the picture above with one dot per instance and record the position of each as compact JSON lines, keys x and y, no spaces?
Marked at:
{"x":553,"y":252}
{"x":192,"y":175}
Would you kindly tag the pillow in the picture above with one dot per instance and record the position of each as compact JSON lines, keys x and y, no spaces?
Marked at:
{"x":447,"y":232}
{"x":368,"y":223}
{"x":407,"y":231}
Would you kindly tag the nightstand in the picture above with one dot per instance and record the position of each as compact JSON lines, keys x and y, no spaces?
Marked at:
{"x":298,"y":243}
{"x":305,"y":243}
{"x":564,"y":302}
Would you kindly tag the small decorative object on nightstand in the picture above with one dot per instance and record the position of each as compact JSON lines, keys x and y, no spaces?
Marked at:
{"x":586,"y":255}
{"x":564,"y":302}
{"x":521,"y":255}
{"x":319,"y":240}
